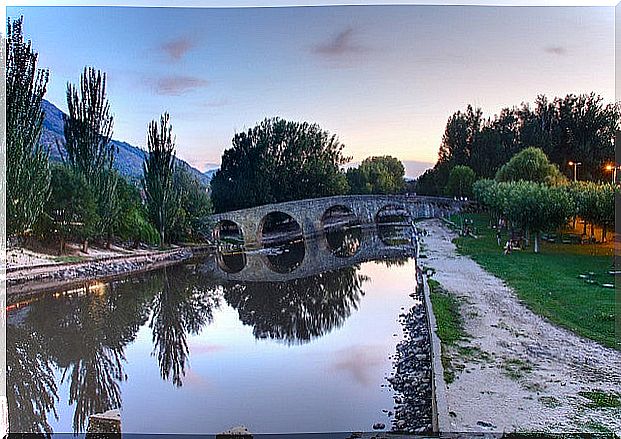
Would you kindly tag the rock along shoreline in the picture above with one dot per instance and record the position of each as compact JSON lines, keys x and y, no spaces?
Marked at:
{"x":412,"y":378}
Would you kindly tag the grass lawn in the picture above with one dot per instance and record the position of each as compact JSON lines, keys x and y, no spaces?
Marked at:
{"x":450,"y":327}
{"x":549,"y":282}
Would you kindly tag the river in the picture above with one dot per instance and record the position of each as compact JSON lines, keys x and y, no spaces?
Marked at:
{"x":295,"y":337}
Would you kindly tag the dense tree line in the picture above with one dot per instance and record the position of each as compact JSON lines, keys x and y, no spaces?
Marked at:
{"x":579,"y":128}
{"x":84,"y":198}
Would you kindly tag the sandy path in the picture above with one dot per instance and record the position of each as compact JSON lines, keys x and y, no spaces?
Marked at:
{"x":22,"y":258}
{"x":545,"y":398}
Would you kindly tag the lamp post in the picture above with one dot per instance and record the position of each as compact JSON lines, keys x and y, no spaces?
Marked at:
{"x":613,"y":168}
{"x":575,"y":165}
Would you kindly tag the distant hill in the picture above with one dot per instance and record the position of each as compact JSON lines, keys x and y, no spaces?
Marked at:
{"x":210,"y":173}
{"x":128,"y":160}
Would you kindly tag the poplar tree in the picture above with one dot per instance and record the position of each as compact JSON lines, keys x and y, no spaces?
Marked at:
{"x":158,"y":176}
{"x":88,"y":143}
{"x":88,"y":126}
{"x":27,"y":168}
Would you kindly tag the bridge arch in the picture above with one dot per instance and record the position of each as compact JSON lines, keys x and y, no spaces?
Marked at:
{"x":281,"y":234}
{"x":393,"y":224}
{"x":227,"y":230}
{"x":338,"y":215}
{"x":278,"y":226}
{"x":391,"y":213}
{"x":342,"y":231}
{"x":285,"y":258}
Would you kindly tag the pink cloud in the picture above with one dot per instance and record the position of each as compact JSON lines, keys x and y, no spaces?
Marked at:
{"x":340,"y":44}
{"x":176,"y":49}
{"x":176,"y":85}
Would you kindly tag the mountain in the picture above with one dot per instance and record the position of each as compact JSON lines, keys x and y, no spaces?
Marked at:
{"x":128,"y":160}
{"x":210,"y":173}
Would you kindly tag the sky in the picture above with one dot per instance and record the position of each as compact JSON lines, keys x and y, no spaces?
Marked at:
{"x":385,"y":79}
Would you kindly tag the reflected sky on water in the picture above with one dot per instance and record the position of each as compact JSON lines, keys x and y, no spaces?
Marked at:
{"x":195,"y":348}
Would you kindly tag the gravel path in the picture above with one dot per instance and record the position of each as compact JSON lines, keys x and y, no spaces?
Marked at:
{"x":541,"y":396}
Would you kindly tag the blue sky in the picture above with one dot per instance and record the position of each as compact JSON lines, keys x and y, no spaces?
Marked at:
{"x":383,"y":78}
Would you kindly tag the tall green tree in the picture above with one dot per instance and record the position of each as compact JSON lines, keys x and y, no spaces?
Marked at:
{"x":530,"y":164}
{"x":88,"y":134}
{"x":27,"y":168}
{"x":194,"y":207}
{"x":88,"y":126}
{"x":276,"y":161}
{"x":71,"y":212}
{"x":460,"y":181}
{"x":377,"y":175}
{"x":497,"y":140}
{"x":132,"y":223}
{"x":460,"y":136}
{"x":433,"y":181}
{"x":158,"y":180}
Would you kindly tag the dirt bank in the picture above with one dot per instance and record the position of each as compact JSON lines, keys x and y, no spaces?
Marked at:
{"x":525,"y":373}
{"x":45,"y":276}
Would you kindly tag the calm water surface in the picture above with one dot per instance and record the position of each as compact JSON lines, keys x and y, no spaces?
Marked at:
{"x":295,"y":338}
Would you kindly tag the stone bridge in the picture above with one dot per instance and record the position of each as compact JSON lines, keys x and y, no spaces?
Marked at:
{"x":310,"y":214}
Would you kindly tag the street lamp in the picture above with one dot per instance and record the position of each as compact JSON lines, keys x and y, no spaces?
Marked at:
{"x":613,"y":168}
{"x":575,"y":165}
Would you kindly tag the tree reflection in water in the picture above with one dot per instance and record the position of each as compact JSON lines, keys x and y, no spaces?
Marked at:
{"x":31,"y":389}
{"x":81,"y":335}
{"x":84,"y":332}
{"x":393,"y":262}
{"x":180,"y":307}
{"x":299,"y":310}
{"x":395,"y":235}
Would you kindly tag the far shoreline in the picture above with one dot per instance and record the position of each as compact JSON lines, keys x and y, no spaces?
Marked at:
{"x":26,"y":281}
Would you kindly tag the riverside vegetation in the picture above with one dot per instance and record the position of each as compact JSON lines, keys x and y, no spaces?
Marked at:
{"x":84,"y":198}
